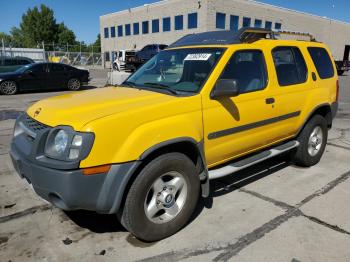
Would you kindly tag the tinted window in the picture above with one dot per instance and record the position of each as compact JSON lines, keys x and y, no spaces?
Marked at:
{"x":246,"y":21}
{"x":155,"y":26}
{"x":127,"y":29}
{"x":268,"y":25}
{"x":106,"y":32}
{"x":278,"y":26}
{"x":322,"y":61}
{"x":220,"y":20}
{"x":136,"y":28}
{"x":290,"y":66}
{"x":166,"y":24}
{"x":192,"y":20}
{"x":57,"y":67}
{"x":23,"y":62}
{"x":258,"y":23}
{"x":37,"y":68}
{"x":112,"y":31}
{"x":145,"y":27}
{"x":162,"y":47}
{"x":234,"y":23}
{"x":10,"y":62}
{"x":179,"y":22}
{"x":248,"y":69}
{"x":120,"y":30}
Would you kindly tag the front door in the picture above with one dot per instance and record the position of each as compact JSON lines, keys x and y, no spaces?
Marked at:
{"x":34,"y":77}
{"x":234,"y":126}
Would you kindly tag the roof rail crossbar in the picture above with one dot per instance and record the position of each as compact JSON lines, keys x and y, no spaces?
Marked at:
{"x":293,"y":33}
{"x":252,"y":34}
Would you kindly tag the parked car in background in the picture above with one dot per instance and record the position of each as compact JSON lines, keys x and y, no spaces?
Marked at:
{"x":344,"y":65}
{"x":43,"y":76}
{"x":142,"y":56}
{"x":10,"y":64}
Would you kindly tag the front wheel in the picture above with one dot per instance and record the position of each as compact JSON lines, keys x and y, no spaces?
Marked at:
{"x":162,"y":198}
{"x":313,"y":140}
{"x":8,"y":88}
{"x":74,"y":84}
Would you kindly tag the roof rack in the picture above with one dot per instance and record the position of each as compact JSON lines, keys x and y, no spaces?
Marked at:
{"x":244,"y":35}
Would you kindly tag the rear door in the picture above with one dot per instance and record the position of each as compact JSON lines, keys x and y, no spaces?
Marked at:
{"x":292,"y":87}
{"x":57,"y":77}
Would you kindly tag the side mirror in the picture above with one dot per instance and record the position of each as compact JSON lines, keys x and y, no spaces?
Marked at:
{"x":225,"y":88}
{"x":29,"y":72}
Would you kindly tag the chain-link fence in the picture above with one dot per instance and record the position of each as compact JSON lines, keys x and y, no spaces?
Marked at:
{"x":75,"y":55}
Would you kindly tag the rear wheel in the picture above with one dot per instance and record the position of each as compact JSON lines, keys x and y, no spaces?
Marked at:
{"x":312,"y":139}
{"x":8,"y":88}
{"x":74,"y":84}
{"x":162,"y":198}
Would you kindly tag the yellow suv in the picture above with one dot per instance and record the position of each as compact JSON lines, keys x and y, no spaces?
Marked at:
{"x":208,"y":106}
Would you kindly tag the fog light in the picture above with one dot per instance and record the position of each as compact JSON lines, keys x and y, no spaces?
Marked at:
{"x":73,"y":153}
{"x":77,"y":140}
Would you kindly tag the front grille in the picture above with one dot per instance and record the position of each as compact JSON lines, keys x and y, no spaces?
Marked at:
{"x":34,"y":125}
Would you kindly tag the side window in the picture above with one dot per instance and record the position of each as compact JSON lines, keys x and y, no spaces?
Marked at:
{"x":322,"y":61}
{"x":37,"y":68}
{"x":57,"y":68}
{"x":248,"y":69}
{"x":290,"y":66}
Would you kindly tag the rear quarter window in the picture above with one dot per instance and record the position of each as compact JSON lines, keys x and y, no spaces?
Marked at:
{"x":322,"y":62}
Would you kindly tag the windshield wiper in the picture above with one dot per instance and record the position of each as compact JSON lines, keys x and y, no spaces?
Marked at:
{"x":162,"y":86}
{"x":129,"y":84}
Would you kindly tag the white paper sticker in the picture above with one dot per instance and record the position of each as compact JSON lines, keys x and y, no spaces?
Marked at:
{"x":197,"y":57}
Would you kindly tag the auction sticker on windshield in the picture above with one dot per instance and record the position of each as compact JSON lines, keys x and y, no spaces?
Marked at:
{"x":197,"y":57}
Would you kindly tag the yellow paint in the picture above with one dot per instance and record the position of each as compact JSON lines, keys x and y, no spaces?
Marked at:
{"x":128,"y":121}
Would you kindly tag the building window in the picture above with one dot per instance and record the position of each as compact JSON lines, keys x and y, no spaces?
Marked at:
{"x":179,"y":22}
{"x":246,"y":21}
{"x":136,"y":27}
{"x":128,"y":29}
{"x":258,"y":23}
{"x":120,"y":30}
{"x":234,"y":23}
{"x":192,"y":20}
{"x":220,"y":20}
{"x":107,"y":57}
{"x":268,"y":25}
{"x":113,"y":31}
{"x":166,"y":24}
{"x":145,"y":26}
{"x":278,"y":26}
{"x":106,"y":32}
{"x":155,"y":26}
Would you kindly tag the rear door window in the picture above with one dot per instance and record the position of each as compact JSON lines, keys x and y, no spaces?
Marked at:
{"x":57,"y":68}
{"x":322,"y":61}
{"x":290,"y":66}
{"x":248,"y":69}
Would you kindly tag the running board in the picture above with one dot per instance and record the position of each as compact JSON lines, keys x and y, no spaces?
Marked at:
{"x":247,"y":162}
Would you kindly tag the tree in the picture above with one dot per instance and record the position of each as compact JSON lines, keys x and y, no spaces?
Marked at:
{"x":65,"y":35}
{"x":38,"y":26}
{"x":5,"y":37}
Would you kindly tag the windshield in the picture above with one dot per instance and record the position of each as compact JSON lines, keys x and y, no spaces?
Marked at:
{"x":179,"y":70}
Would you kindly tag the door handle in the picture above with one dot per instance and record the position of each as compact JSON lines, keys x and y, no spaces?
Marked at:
{"x":270,"y":100}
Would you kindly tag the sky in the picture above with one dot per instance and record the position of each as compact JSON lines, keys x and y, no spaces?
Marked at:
{"x":82,"y":16}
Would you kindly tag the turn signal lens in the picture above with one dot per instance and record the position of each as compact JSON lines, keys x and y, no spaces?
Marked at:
{"x":96,"y":170}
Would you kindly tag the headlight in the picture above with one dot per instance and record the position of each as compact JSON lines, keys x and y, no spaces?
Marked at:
{"x":63,"y":143}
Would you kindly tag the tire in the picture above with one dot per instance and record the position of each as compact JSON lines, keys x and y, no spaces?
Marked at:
{"x":155,"y":183}
{"x":341,"y":72}
{"x":313,"y":140}
{"x":73,"y":84}
{"x":8,"y":88}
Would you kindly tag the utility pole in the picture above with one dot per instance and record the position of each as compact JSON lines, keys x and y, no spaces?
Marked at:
{"x":3,"y":46}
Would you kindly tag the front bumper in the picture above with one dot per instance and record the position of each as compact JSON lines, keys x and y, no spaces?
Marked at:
{"x":63,"y":184}
{"x":71,"y":190}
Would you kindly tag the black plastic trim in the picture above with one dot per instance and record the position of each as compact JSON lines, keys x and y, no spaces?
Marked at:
{"x":265,"y":122}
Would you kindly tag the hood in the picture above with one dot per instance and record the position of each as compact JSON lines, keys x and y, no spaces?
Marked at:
{"x":78,"y":109}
